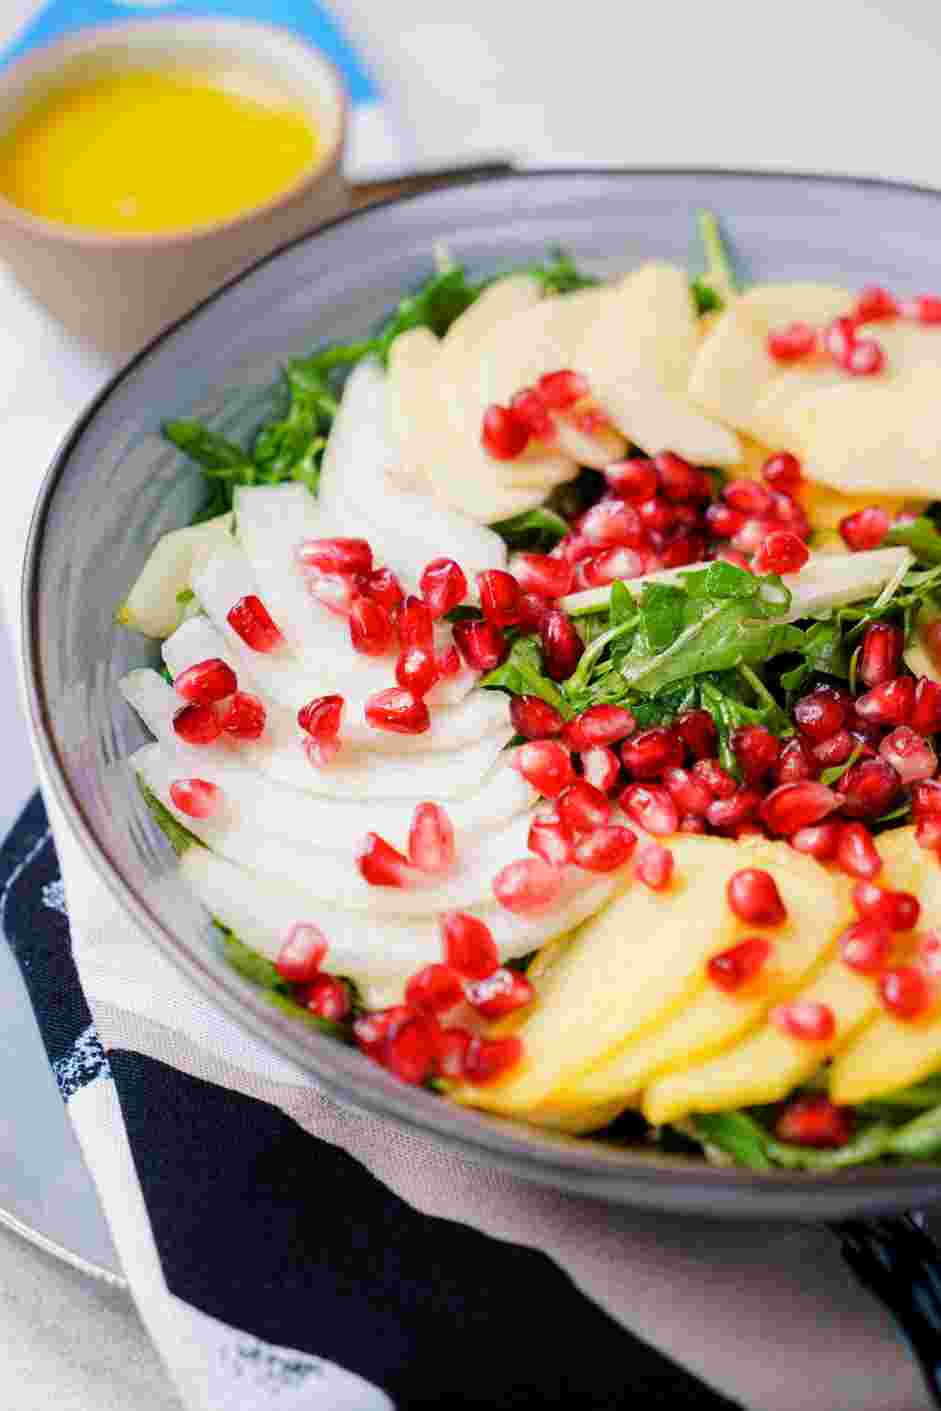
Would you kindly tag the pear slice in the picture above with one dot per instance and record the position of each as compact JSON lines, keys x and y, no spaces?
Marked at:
{"x":151,"y":606}
{"x":906,"y":344}
{"x":657,"y":420}
{"x":645,"y":320}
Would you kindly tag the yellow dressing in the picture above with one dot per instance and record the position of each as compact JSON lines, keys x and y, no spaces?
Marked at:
{"x":142,"y":150}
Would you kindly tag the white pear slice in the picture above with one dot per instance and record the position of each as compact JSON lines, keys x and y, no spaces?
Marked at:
{"x":151,"y":606}
{"x":645,"y":320}
{"x":770,"y":306}
{"x":499,"y":301}
{"x":520,"y":349}
{"x":775,"y":417}
{"x":657,"y":420}
{"x":907,"y":345}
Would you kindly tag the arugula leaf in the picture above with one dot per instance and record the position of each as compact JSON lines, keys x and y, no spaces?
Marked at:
{"x":920,"y":536}
{"x":260,"y":971}
{"x":184,"y":596}
{"x":738,"y":1134}
{"x":719,"y":277}
{"x":436,"y":305}
{"x":621,"y":605}
{"x":867,"y":1145}
{"x":835,"y":773}
{"x":721,"y":695}
{"x":823,"y":653}
{"x":706,"y":298}
{"x":722,"y":634}
{"x":522,"y":675}
{"x":177,"y":836}
{"x":919,"y":1138}
{"x":661,"y":614}
{"x":538,"y":530}
{"x":559,"y":275}
{"x":215,"y":454}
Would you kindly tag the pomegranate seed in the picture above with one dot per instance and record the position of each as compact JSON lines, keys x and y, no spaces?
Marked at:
{"x":599,"y":725}
{"x":431,"y":838}
{"x":551,"y":839}
{"x":734,"y":968}
{"x":821,"y":714}
{"x":197,"y":798}
{"x":328,"y":998}
{"x":499,"y":994}
{"x":905,"y":992}
{"x":533,"y":718}
{"x":611,"y":566}
{"x":417,"y":670}
{"x":244,"y":717}
{"x":881,"y":654}
{"x":865,"y":529}
{"x":820,"y":841}
{"x":782,"y":472}
{"x":499,"y":597}
{"x":448,"y":662}
{"x":924,"y":309}
{"x":529,"y":885}
{"x":796,"y":762}
{"x":605,"y":849}
{"x":467,"y":945}
{"x":600,"y":767}
{"x":697,"y":730}
{"x":206,"y":682}
{"x":656,"y":514}
{"x":793,"y":806}
{"x":410,"y":1050}
{"x":371,"y":629}
{"x":320,"y":719}
{"x":815,"y":1121}
{"x":529,"y":408}
{"x":804,"y":1019}
{"x":788,"y":514}
{"x":926,"y":798}
{"x":678,"y":480}
{"x":682,"y":549}
{"x":482,"y":645}
{"x":722,"y":521}
{"x":781,"y":552}
{"x":487,"y":1060}
{"x":836,"y":750}
{"x":856,"y":852}
{"x":909,"y":754}
{"x":560,"y":390}
{"x":748,"y":497}
{"x":302,"y":954}
{"x":688,"y":792}
{"x":653,"y":866}
{"x":895,"y":911}
{"x":197,"y":724}
{"x":435,"y":988}
{"x":443,"y":586}
{"x":866,"y":358}
{"x":334,"y":591}
{"x":503,"y":434}
{"x":647,"y":754}
{"x":543,"y":575}
{"x":371,"y":1030}
{"x":753,"y":896}
{"x":869,"y":788}
{"x":383,"y":587}
{"x":611,"y":522}
{"x":635,"y":480}
{"x":751,"y":536}
{"x":874,"y":303}
{"x":865,"y":946}
{"x":756,"y":751}
{"x":452,"y":1052}
{"x":562,"y":647}
{"x":415,"y":624}
{"x":928,"y":834}
{"x":532,"y":610}
{"x":343,"y":556}
{"x":692,"y":823}
{"x":249,"y":618}
{"x":929,"y":954}
{"x":583,"y":808}
{"x":926,"y":712}
{"x":546,"y":765}
{"x":720,"y":784}
{"x":731,"y":813}
{"x":398,"y":711}
{"x":382,"y":865}
{"x":651,"y":808}
{"x":790,"y":344}
{"x":839,"y":339}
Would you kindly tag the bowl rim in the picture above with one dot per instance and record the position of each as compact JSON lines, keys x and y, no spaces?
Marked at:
{"x":577,"y":1165}
{"x":88,"y":38}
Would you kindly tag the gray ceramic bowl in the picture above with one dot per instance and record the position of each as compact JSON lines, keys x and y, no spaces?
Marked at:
{"x":115,"y":487}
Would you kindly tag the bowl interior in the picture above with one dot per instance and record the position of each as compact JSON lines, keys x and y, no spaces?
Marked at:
{"x":116,"y":487}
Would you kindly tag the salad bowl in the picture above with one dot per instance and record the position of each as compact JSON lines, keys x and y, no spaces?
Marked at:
{"x":116,"y":486}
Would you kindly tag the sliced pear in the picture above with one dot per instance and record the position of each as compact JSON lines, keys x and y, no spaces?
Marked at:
{"x":917,"y":657}
{"x":520,"y":349}
{"x":769,"y":306}
{"x":151,"y":606}
{"x":906,"y":344}
{"x":658,"y":420}
{"x":646,"y":320}
{"x":775,"y":414}
{"x":501,"y":300}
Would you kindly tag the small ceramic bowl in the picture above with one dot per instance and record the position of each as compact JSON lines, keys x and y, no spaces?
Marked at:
{"x":117,"y":291}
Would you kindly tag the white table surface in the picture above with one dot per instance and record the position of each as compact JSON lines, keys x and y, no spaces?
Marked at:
{"x":826,"y":85}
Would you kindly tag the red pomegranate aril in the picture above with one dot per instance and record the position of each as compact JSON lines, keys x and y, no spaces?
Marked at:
{"x":371,"y":1030}
{"x":836,"y":750}
{"x":334,"y":591}
{"x":697,"y":730}
{"x":866,"y":358}
{"x":599,"y":725}
{"x":928,"y":834}
{"x":926,"y":798}
{"x":657,"y":514}
{"x":786,"y":513}
{"x":551,"y":839}
{"x":600,"y":767}
{"x":681,"y":549}
{"x":443,"y":586}
{"x":820,"y":714}
{"x":796,"y":762}
{"x":562,"y":647}
{"x":451,"y":1052}
{"x":328,"y":998}
{"x":527,"y":886}
{"x":543,"y":575}
{"x":865,"y":946}
{"x":503,"y":434}
{"x":782,"y":472}
{"x":481,"y":644}
{"x":865,"y":529}
{"x":926,"y":308}
{"x":410,"y":1050}
{"x":417,"y":670}
{"x":926,"y":711}
{"x":869,"y":788}
{"x":371,"y":629}
{"x":243,"y":716}
{"x":816,"y":1122}
{"x":749,"y":497}
{"x":909,"y":754}
{"x":881,"y":654}
{"x":431,"y":838}
{"x":722,"y":521}
{"x":688,"y":792}
{"x":302,"y":954}
{"x":753,"y":896}
{"x":605,"y":849}
{"x":839,"y":339}
{"x":906,"y":992}
{"x":874,"y":303}
{"x":383,"y":587}
{"x":467,"y":945}
{"x":321,"y":717}
{"x":856,"y":853}
{"x":692,"y":823}
{"x":546,"y":764}
{"x":791,"y":343}
{"x":635,"y":480}
{"x":653,"y":865}
{"x":819,"y":841}
{"x":583,"y":808}
{"x":529,"y":408}
{"x":448,"y":662}
{"x":197,"y":798}
{"x":488,"y":1060}
{"x":416,"y":626}
{"x":323,"y":752}
{"x":749,"y":538}
{"x":611,"y":522}
{"x":344,"y":556}
{"x":896,"y":911}
{"x":382,"y":865}
{"x":804,"y":1019}
{"x":435,"y":988}
{"x":756,"y":751}
{"x":534,"y":718}
{"x":206,"y":682}
{"x":720,"y":784}
{"x":197,"y":724}
{"x":562,"y":389}
{"x":398,"y":711}
{"x":500,"y":993}
{"x":781,"y":552}
{"x":250,"y":619}
{"x":532,"y":610}
{"x":736,"y":967}
{"x":651,"y":807}
{"x":729,"y":814}
{"x":647,"y":754}
{"x":793,"y":806}
{"x":891,"y":703}
{"x":611,"y":566}
{"x":679,"y":481}
{"x":499,"y":597}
